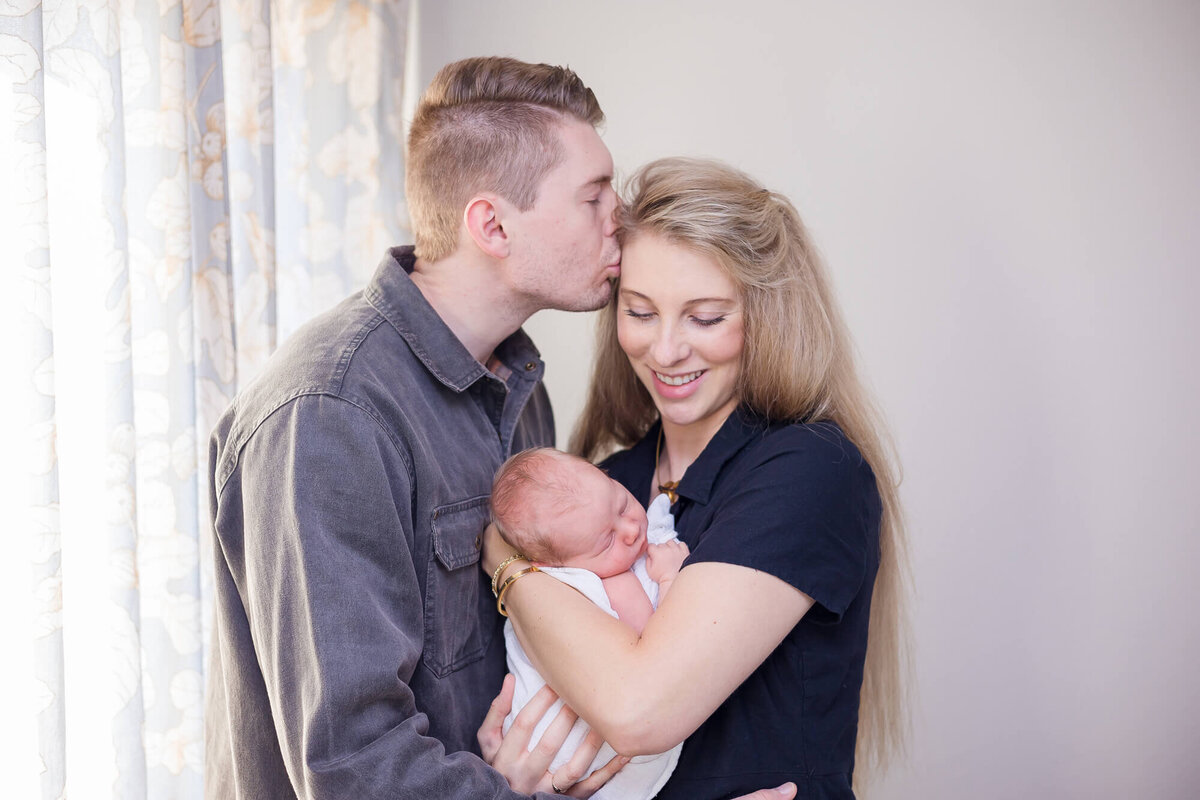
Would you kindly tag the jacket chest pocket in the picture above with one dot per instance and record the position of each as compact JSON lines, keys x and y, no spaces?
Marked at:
{"x":460,"y":614}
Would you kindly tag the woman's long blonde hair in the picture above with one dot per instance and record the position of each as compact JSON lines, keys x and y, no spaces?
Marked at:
{"x":797,"y":364}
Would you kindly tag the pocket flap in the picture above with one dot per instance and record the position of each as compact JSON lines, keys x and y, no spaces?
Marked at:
{"x":458,"y":531}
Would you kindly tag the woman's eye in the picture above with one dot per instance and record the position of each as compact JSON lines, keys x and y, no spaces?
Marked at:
{"x":708,"y":321}
{"x":629,"y":312}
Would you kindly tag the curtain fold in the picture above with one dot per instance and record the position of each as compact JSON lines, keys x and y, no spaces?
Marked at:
{"x":185,"y":183}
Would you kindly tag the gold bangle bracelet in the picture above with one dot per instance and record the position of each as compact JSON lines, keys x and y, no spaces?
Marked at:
{"x":504,"y":587}
{"x":500,"y":570}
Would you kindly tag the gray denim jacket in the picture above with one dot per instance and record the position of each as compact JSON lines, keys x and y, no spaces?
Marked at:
{"x":357,"y":644}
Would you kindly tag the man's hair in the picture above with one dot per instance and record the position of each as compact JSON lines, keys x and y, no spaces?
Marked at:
{"x":525,"y":485}
{"x":486,"y":125}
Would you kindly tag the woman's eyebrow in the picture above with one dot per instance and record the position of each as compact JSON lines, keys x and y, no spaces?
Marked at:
{"x":687,"y":304}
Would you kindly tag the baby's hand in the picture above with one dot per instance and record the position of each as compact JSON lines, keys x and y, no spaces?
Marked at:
{"x":664,"y":560}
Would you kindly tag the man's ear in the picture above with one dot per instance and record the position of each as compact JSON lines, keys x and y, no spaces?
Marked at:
{"x":482,"y":216}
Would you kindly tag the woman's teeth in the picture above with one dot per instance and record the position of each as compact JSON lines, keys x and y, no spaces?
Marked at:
{"x":678,"y":380}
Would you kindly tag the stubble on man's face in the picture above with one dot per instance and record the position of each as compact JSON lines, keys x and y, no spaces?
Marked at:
{"x":570,"y":253}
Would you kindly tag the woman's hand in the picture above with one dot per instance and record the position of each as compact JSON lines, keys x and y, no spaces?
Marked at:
{"x":495,"y":549}
{"x":527,"y":771}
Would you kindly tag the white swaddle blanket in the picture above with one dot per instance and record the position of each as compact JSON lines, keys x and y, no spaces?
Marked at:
{"x":643,"y":776}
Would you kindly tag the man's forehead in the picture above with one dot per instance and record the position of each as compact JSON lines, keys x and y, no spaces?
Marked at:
{"x":586,"y":155}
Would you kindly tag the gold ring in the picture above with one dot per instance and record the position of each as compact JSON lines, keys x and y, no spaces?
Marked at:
{"x":556,"y":789}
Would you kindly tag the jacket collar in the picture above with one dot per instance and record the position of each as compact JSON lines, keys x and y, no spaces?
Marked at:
{"x":393,"y":294}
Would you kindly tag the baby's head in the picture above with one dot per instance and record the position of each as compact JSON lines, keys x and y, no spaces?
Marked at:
{"x":560,"y":510}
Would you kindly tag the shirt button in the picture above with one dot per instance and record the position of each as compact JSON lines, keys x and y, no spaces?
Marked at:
{"x":530,"y":366}
{"x":478,"y":542}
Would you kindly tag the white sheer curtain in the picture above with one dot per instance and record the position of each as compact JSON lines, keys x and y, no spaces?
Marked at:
{"x":183,"y":185}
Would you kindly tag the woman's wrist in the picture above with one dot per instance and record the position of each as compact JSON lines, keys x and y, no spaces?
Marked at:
{"x":514,"y":561}
{"x":527,"y":569}
{"x":494,"y":550}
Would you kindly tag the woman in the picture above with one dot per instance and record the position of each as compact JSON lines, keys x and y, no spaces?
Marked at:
{"x":724,"y":367}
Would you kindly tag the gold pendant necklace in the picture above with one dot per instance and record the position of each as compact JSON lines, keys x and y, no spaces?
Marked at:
{"x":667,"y":487}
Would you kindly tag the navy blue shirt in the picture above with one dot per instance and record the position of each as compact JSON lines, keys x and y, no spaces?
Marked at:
{"x":799,"y":502}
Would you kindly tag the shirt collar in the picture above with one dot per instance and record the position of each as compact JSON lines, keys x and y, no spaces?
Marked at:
{"x":739,"y":429}
{"x":392,"y":292}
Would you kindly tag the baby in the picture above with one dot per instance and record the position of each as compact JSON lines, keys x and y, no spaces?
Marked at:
{"x":587,"y":530}
{"x":561,"y":511}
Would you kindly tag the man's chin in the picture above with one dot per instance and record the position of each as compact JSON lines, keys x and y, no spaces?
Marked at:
{"x":596,"y":297}
{"x":595,"y":301}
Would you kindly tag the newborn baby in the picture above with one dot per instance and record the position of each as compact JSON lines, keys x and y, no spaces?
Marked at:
{"x":587,"y":530}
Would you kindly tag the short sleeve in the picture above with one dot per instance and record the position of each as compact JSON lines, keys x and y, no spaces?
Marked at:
{"x":801,"y":504}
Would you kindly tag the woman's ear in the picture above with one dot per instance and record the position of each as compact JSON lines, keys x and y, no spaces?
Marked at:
{"x":482,"y":217}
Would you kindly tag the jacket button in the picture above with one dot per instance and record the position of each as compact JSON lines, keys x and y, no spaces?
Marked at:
{"x":530,"y":366}
{"x":478,"y":542}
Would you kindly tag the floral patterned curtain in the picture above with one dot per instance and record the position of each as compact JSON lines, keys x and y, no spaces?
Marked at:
{"x":184,"y":183}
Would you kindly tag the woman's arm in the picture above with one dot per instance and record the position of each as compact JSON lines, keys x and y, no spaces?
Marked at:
{"x":719,"y":620}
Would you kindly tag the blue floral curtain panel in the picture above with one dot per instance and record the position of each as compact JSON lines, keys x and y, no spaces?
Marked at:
{"x":183,"y":185}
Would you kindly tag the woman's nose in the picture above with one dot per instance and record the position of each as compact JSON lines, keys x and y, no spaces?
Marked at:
{"x":669,"y":347}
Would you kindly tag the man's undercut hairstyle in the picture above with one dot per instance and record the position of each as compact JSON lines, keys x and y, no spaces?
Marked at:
{"x":486,"y":125}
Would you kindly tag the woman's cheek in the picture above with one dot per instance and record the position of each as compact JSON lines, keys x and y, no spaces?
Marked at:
{"x":728,"y":344}
{"x":628,"y":338}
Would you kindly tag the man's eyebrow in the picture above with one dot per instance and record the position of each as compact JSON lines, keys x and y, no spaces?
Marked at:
{"x":599,"y":180}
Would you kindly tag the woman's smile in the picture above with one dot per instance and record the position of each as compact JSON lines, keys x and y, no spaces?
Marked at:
{"x":677,"y":387}
{"x":678,"y":380}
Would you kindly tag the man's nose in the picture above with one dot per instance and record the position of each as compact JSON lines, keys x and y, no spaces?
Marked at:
{"x":613,"y":223}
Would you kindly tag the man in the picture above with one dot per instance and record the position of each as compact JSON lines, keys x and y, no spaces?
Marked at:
{"x":357,"y":646}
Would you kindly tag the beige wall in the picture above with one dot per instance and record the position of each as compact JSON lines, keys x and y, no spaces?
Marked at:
{"x":1008,"y":195}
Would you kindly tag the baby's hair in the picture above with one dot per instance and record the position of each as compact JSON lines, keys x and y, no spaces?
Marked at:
{"x":537,"y":470}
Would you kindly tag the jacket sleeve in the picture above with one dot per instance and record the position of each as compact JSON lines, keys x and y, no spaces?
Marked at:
{"x":334,"y":607}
